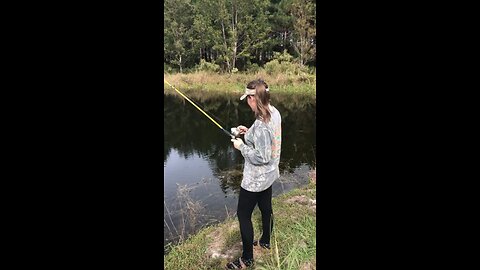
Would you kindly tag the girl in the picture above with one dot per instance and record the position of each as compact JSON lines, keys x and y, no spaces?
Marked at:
{"x":261,"y":151}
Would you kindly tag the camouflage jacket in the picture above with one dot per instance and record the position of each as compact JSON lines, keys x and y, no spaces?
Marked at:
{"x":261,"y":151}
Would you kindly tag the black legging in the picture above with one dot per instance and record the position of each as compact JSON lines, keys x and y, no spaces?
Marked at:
{"x":246,"y":203}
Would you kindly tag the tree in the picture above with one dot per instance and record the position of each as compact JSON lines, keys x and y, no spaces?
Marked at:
{"x":177,"y":33}
{"x":282,"y":26}
{"x":204,"y":35}
{"x":234,"y":34}
{"x":243,"y":26}
{"x":304,"y":27}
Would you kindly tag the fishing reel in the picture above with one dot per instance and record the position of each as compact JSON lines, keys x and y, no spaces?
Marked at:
{"x":235,"y":132}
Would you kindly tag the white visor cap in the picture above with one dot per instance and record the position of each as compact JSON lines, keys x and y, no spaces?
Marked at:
{"x":249,"y":92}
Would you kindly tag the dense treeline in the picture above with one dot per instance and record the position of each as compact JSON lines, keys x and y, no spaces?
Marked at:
{"x":237,"y":35}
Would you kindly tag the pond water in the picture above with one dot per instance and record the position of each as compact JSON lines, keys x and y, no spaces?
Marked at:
{"x":202,"y":169}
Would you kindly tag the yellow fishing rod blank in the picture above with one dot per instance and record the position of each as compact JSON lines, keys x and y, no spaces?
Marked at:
{"x":215,"y":122}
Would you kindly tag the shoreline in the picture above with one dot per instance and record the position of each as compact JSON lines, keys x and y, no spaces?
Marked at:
{"x":293,"y":239}
{"x":234,"y":84}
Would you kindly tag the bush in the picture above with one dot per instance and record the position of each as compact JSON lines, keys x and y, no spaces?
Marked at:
{"x":283,"y":63}
{"x":288,"y":68}
{"x":307,"y":78}
{"x":167,"y":68}
{"x":253,"y":68}
{"x":283,"y":57}
{"x":207,"y":66}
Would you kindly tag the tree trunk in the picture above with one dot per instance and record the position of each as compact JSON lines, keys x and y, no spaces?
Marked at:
{"x":180,"y":63}
{"x":225,"y":46}
{"x":301,"y":51}
{"x":234,"y":57}
{"x":234,"y":31}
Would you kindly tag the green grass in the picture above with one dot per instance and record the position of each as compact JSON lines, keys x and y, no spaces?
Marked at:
{"x":292,"y":97}
{"x":293,"y":239}
{"x":234,"y":84}
{"x":294,"y":233}
{"x":232,"y":237}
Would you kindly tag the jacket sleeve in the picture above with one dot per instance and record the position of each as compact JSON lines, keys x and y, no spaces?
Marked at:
{"x":261,"y":153}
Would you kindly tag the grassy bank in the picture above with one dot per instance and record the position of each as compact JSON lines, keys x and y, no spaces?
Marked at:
{"x":293,"y":238}
{"x":235,"y":83}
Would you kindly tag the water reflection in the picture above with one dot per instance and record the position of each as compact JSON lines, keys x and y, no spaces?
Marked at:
{"x":197,"y":153}
{"x":190,"y":132}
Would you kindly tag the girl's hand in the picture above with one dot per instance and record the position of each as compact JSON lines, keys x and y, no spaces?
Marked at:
{"x":242,"y":129}
{"x":237,"y":143}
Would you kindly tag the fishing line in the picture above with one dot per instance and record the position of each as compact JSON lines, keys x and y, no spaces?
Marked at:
{"x":213,"y":116}
{"x":215,"y":122}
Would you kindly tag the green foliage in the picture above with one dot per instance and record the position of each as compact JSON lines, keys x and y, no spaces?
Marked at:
{"x":177,"y":32}
{"x":236,"y":33}
{"x":283,"y":63}
{"x":282,"y":57}
{"x":304,"y":29}
{"x":207,"y":66}
{"x":167,"y":68}
{"x":253,"y":68}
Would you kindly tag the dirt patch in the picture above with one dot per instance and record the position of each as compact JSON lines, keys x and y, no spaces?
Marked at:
{"x":233,"y":252}
{"x":216,"y":248}
{"x":313,"y":176}
{"x":258,"y":252}
{"x":308,"y":266}
{"x":303,"y":200}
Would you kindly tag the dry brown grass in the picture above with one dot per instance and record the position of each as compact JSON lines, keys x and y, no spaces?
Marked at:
{"x":313,"y":176}
{"x":241,"y":79}
{"x":190,"y":210}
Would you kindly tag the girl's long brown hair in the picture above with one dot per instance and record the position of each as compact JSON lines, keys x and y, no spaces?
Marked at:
{"x":262,"y":98}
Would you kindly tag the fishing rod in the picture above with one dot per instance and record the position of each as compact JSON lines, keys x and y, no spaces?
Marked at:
{"x":232,"y":134}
